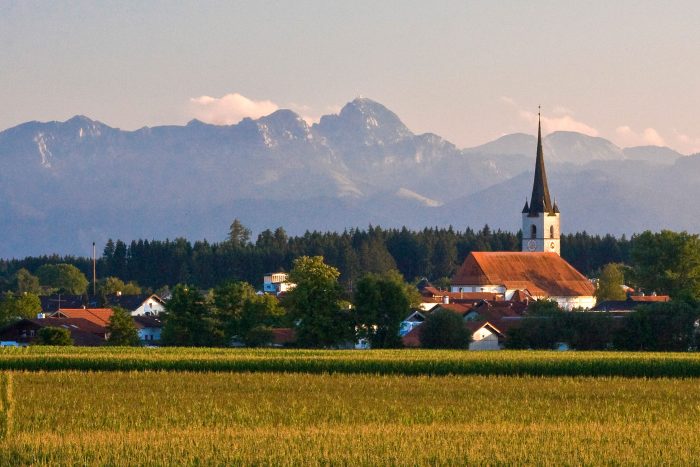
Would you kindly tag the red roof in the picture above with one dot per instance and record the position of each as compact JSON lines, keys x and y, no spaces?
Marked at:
{"x":99,"y":316}
{"x":541,"y":274}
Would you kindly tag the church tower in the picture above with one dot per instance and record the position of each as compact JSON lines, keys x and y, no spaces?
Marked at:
{"x":540,"y":217}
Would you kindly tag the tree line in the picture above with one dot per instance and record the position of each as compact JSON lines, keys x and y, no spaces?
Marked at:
{"x":434,"y":253}
{"x":663,"y":326}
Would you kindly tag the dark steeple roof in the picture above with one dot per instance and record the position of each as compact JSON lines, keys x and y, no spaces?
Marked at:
{"x":540,"y":202}
{"x":527,"y":207}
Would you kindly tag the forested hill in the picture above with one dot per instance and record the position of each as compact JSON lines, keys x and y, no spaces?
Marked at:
{"x":433,"y":253}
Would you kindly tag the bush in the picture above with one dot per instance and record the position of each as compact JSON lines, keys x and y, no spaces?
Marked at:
{"x":444,"y":330}
{"x":51,"y":335}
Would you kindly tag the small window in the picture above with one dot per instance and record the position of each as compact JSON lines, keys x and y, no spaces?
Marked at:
{"x":533,"y":231}
{"x":551,"y":231}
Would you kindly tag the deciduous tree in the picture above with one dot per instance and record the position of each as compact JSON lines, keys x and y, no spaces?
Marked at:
{"x":381,"y":302}
{"x":188,"y":320}
{"x":610,"y":283}
{"x":64,"y":277}
{"x":313,"y":304}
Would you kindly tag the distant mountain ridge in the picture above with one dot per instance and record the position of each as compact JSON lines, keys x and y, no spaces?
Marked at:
{"x":65,"y":184}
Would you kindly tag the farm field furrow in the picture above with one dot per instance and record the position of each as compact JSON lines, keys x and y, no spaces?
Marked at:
{"x":176,"y":418}
{"x":398,"y":362}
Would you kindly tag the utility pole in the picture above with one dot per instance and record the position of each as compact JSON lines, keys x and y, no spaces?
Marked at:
{"x":94,"y":271}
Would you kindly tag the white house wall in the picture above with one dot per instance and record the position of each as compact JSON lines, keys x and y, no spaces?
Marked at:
{"x":150,"y":307}
{"x":483,"y":339}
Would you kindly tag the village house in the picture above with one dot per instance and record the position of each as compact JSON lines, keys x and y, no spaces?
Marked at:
{"x":488,"y":321}
{"x":138,"y":305}
{"x":25,"y":331}
{"x":149,"y":328}
{"x":277,"y":283}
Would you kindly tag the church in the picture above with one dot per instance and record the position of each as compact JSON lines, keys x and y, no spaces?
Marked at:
{"x":538,"y":271}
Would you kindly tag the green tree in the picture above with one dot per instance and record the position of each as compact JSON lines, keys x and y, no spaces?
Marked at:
{"x":238,"y":235}
{"x":540,"y":329}
{"x":259,"y":315}
{"x":610,"y":283}
{"x":314,"y":304}
{"x":444,"y":329}
{"x":17,"y":306}
{"x":229,"y":300}
{"x":666,"y":326}
{"x":112,"y":285}
{"x":63,"y":277}
{"x":381,"y":303}
{"x":51,"y":335}
{"x":188,"y":320}
{"x":26,"y":282}
{"x":122,"y":329}
{"x":667,"y":262}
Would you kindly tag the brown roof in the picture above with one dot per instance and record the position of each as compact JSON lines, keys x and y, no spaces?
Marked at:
{"x":83,"y":332}
{"x":459,"y":308}
{"x":474,"y":326}
{"x":502,"y":315}
{"x":541,"y":274}
{"x":650,"y":298}
{"x":147,"y":322}
{"x":99,"y":316}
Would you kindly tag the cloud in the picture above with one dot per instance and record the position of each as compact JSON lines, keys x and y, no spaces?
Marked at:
{"x":562,"y":123}
{"x":563,"y":119}
{"x":627,"y":137}
{"x":229,"y":109}
{"x":686,"y":143}
{"x":311,"y":116}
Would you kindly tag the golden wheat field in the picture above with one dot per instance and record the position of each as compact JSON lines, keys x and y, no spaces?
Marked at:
{"x":225,"y":418}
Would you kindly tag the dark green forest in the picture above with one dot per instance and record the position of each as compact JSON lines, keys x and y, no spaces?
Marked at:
{"x":434,"y":253}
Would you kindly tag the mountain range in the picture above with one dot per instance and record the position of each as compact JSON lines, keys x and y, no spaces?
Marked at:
{"x":67,"y":184}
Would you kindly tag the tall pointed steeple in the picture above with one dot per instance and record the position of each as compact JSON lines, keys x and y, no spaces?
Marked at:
{"x":540,"y":201}
{"x":541,"y":218}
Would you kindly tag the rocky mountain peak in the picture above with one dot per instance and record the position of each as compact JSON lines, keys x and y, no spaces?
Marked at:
{"x":365,"y":122}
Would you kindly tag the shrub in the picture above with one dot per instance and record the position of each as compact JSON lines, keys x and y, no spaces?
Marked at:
{"x":444,"y":330}
{"x":51,"y":335}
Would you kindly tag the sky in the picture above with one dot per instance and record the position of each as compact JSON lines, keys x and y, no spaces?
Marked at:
{"x":468,"y":71}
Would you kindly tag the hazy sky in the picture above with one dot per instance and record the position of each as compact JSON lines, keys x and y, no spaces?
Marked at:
{"x":628,"y":71}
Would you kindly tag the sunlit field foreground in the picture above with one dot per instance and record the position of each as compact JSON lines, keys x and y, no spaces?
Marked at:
{"x":381,"y":362}
{"x":175,"y":418}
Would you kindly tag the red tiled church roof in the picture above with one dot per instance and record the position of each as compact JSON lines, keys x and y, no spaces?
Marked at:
{"x":541,"y":274}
